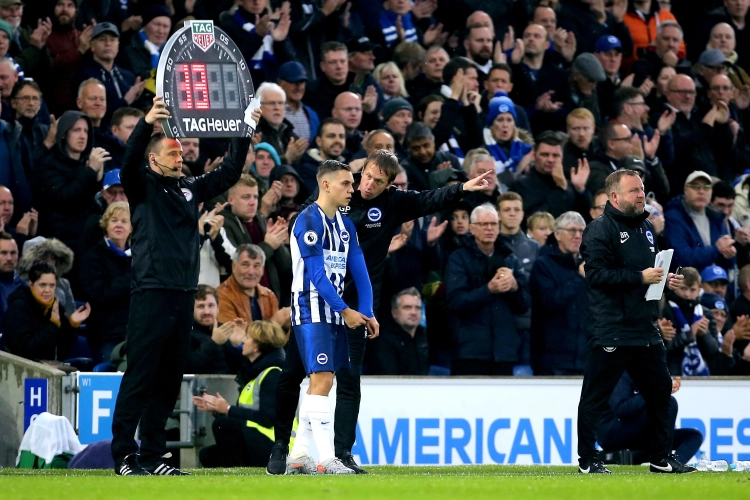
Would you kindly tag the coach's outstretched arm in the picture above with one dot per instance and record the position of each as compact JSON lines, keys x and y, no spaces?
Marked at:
{"x":218,"y":180}
{"x":415,"y":204}
{"x":133,"y":170}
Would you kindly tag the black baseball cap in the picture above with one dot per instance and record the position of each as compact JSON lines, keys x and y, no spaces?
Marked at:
{"x":361,"y":44}
{"x":102,"y":28}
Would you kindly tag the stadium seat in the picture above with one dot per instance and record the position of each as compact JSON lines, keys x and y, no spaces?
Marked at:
{"x":439,"y":371}
{"x":523,"y":371}
{"x":81,"y":348}
{"x":83,"y":364}
{"x":106,"y":366}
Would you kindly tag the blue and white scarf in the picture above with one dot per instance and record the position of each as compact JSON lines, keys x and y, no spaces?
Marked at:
{"x":452,"y":147}
{"x":388,"y":25}
{"x":116,"y":250}
{"x":518,"y":149}
{"x":693,"y":364}
{"x":264,"y":55}
{"x":154,"y":50}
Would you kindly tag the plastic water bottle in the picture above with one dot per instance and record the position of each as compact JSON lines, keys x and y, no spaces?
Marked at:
{"x":702,"y":465}
{"x":740,"y":466}
{"x":718,"y":465}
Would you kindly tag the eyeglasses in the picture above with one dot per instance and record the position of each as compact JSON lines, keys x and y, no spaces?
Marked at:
{"x":29,"y":98}
{"x":273,"y":103}
{"x":351,"y":110}
{"x":485,"y":225}
{"x":628,"y":138}
{"x":599,"y":207}
{"x":571,"y":231}
{"x":698,"y":187}
{"x":721,"y":88}
{"x":682,"y":92}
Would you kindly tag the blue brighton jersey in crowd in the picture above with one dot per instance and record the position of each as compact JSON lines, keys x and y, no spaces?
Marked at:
{"x":322,"y":249}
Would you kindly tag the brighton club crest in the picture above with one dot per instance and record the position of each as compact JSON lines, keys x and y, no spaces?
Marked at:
{"x":203,"y":34}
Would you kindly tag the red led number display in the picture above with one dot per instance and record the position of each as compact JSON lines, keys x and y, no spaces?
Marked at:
{"x":202,"y":86}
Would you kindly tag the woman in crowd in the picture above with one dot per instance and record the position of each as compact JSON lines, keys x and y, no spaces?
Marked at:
{"x":243,"y":431}
{"x":105,"y":279}
{"x":539,"y":226}
{"x":510,"y":146}
{"x":391,"y":80}
{"x":60,"y":257}
{"x":35,"y":326}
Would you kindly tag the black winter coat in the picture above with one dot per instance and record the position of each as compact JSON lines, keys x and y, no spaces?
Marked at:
{"x":483,"y":322}
{"x":105,"y":280}
{"x":29,"y":333}
{"x":208,"y":357}
{"x":266,"y":413}
{"x":540,"y":193}
{"x":560,"y":308}
{"x":398,"y":353}
{"x":617,"y":248}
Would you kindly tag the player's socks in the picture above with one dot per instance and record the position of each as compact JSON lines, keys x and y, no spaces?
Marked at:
{"x":322,"y":426}
{"x":304,"y":432}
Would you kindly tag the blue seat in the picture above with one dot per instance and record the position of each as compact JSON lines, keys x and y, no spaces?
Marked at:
{"x":81,"y":348}
{"x":523,"y":371}
{"x":106,"y":366}
{"x":82,"y":363}
{"x":439,"y":371}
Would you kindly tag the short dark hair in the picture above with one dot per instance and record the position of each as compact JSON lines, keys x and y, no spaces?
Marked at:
{"x":154,"y":144}
{"x":425,"y":102}
{"x":5,"y":236}
{"x":550,"y":138}
{"x":598,"y":192}
{"x":24,"y":83}
{"x":623,"y":95}
{"x":406,"y":52}
{"x":328,"y":121}
{"x":612,"y":182}
{"x":417,"y":131}
{"x":608,"y":133}
{"x":385,"y":161}
{"x":691,"y":276}
{"x":408,"y":291}
{"x":473,"y":27}
{"x":121,"y":113}
{"x":331,"y":47}
{"x":502,"y":67}
{"x":509,"y":196}
{"x":204,"y":291}
{"x":452,"y":67}
{"x":723,"y":189}
{"x":40,"y":268}
{"x":329,"y":167}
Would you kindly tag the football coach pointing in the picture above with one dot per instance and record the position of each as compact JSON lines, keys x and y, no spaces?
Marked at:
{"x":619,"y":250}
{"x":165,"y":248}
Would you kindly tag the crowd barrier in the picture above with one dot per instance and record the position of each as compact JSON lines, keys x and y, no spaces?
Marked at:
{"x":403,"y":421}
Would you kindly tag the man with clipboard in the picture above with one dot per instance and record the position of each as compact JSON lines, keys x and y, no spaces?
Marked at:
{"x":619,"y":249}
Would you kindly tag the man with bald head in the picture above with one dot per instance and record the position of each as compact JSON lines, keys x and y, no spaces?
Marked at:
{"x":733,"y":13}
{"x":540,"y":85}
{"x":348,"y":108}
{"x":721,"y":90}
{"x":92,"y":101}
{"x":480,"y":17}
{"x":701,"y":142}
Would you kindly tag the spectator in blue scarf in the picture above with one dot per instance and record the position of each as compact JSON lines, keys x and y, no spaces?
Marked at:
{"x":502,"y":139}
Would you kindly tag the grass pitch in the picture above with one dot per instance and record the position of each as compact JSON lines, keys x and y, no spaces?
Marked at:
{"x":412,"y":483}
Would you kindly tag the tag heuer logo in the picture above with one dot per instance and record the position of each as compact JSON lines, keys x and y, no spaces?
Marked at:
{"x":203,"y":34}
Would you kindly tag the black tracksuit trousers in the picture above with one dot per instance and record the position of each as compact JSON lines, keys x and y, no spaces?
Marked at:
{"x":158,"y":345}
{"x":348,"y":392}
{"x":647,"y":366}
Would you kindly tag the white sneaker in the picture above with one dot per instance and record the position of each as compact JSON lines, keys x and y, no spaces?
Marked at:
{"x":301,"y":465}
{"x":334,"y":466}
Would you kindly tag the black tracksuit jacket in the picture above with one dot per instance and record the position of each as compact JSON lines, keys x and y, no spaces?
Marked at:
{"x":164,"y":211}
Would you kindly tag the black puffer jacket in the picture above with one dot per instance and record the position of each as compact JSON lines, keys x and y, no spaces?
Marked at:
{"x":617,"y":248}
{"x":67,"y":187}
{"x":105,"y":280}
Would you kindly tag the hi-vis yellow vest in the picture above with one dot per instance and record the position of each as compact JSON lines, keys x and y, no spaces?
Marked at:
{"x":250,"y":398}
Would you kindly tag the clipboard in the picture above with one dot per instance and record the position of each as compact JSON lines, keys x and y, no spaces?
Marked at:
{"x":663,"y":261}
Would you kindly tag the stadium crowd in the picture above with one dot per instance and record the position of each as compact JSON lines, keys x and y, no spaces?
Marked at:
{"x":551,"y":95}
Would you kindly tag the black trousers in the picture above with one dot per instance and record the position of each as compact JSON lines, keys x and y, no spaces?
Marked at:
{"x":237,"y":445}
{"x":348,"y":392}
{"x":647,"y":366}
{"x":634,"y":434}
{"x":157,"y":349}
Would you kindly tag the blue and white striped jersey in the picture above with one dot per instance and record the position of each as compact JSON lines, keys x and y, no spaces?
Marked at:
{"x":320,"y":249}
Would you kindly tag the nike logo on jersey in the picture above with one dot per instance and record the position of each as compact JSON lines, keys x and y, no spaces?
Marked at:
{"x":624,"y":236}
{"x":668,"y":468}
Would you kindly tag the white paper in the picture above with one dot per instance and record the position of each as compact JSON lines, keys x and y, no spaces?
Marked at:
{"x":663,"y":261}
